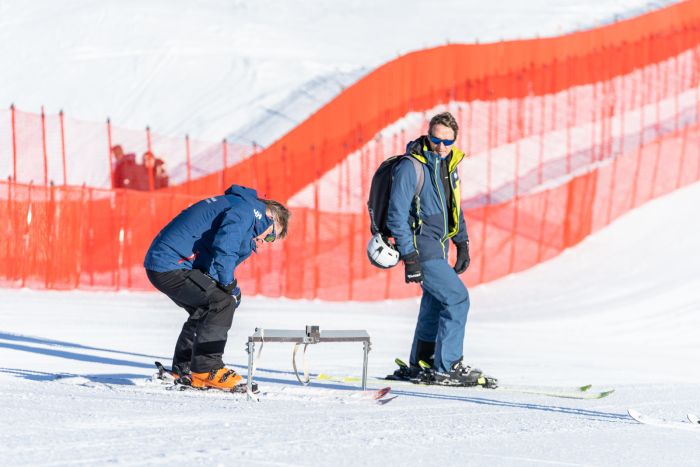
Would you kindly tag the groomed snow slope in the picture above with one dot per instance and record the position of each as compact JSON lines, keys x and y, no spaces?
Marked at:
{"x":620,"y":310}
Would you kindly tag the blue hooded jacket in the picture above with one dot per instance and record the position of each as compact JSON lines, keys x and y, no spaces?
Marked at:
{"x":213,"y":235}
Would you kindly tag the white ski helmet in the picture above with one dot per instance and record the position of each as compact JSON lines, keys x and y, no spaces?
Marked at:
{"x":381,"y":252}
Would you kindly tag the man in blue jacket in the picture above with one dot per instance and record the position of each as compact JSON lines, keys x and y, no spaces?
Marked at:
{"x":421,"y":228}
{"x":193,"y":260}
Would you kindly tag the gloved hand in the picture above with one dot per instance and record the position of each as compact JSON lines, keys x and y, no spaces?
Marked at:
{"x":463,"y":259}
{"x":414,"y":271}
{"x":236,"y":295}
{"x":228,"y":288}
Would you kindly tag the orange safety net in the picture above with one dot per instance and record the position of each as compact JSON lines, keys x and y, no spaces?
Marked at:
{"x":564,"y":135}
{"x":55,"y":149}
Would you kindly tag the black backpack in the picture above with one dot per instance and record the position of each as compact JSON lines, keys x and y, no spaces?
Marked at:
{"x":378,"y":202}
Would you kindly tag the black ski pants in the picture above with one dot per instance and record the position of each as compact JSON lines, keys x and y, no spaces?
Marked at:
{"x":203,"y":336}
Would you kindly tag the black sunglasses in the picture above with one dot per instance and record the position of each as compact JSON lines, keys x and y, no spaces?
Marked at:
{"x":437,"y":141}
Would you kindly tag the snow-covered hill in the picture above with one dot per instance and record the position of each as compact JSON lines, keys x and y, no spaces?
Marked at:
{"x":247,"y":70}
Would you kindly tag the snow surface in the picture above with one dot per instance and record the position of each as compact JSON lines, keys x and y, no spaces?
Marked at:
{"x":621,"y":310}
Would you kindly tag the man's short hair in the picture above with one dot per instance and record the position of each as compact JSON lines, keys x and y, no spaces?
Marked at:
{"x":280,"y":213}
{"x":446,"y":119}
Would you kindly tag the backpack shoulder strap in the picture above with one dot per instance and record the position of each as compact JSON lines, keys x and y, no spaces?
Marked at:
{"x":420,"y":176}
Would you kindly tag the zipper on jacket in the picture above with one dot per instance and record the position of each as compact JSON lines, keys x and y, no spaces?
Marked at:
{"x":443,"y":205}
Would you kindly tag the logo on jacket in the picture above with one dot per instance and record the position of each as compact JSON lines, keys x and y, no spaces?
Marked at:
{"x":258,"y":216}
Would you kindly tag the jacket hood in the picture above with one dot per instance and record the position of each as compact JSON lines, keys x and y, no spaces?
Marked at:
{"x":418,"y":146}
{"x":250,"y":196}
{"x":246,"y":193}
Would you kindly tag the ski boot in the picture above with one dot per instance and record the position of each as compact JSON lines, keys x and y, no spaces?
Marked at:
{"x":404,"y":372}
{"x":460,"y":375}
{"x":221,"y":378}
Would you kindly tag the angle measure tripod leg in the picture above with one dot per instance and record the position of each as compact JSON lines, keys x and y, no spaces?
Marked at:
{"x":366,"y":349}
{"x":251,"y":355}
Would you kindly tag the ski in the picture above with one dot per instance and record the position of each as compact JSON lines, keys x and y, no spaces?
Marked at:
{"x":184,"y":384}
{"x":380,"y":393}
{"x":380,"y":396}
{"x":694,"y":419}
{"x":663,"y":423}
{"x":577,"y":392}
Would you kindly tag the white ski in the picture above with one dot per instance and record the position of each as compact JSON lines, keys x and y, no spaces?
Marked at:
{"x":660,"y":422}
{"x":578,"y":392}
{"x":694,"y":419}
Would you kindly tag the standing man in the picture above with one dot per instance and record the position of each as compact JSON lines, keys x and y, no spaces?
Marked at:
{"x":421,"y":228}
{"x":193,"y":260}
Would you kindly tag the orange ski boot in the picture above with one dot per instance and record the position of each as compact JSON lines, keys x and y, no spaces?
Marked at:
{"x":221,"y":378}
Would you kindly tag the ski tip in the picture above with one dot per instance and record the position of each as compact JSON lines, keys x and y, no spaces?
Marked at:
{"x":605,"y":393}
{"x":694,"y":419}
{"x":585,"y":388}
{"x":379,"y":393}
{"x":634,"y":414}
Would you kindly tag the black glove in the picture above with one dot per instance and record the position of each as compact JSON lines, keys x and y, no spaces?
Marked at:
{"x":236,"y":295}
{"x":414,"y":271}
{"x":463,"y":259}
{"x":228,"y":288}
{"x":233,"y":290}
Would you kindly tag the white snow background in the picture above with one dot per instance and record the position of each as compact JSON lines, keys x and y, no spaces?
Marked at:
{"x":621,"y":310}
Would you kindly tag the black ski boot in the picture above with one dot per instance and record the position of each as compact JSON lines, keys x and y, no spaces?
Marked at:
{"x":459,"y":375}
{"x":404,"y":372}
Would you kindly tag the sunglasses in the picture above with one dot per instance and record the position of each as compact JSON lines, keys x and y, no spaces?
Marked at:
{"x":437,"y":141}
{"x":269,"y":238}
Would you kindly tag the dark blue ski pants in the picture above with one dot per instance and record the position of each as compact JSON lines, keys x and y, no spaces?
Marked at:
{"x":443,"y":313}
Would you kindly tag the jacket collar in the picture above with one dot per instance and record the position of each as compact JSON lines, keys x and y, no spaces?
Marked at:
{"x":420,"y":149}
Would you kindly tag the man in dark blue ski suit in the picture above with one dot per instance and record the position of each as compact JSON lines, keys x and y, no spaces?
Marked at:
{"x":421,"y":228}
{"x":193,"y":261}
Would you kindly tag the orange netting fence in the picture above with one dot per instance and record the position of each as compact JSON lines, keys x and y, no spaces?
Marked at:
{"x":42,"y":149}
{"x":564,"y":135}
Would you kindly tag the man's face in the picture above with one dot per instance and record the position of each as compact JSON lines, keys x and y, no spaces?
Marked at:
{"x":441,"y":132}
{"x":274,"y":228}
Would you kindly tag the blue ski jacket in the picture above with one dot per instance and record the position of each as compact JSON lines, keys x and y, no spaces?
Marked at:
{"x":426,"y":224}
{"x":213,"y":235}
